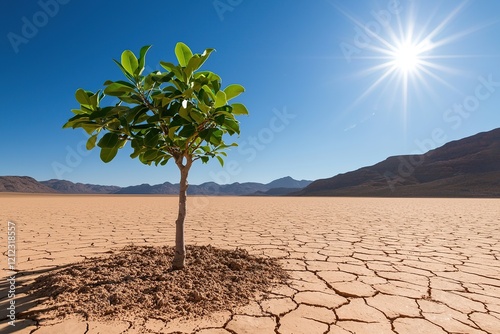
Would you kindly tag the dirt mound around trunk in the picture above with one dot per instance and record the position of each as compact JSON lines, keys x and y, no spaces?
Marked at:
{"x":137,"y":281}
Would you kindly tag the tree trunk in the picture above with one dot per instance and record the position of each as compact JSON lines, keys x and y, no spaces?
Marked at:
{"x":180,"y":248}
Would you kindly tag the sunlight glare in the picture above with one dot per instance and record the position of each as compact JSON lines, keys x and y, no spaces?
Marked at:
{"x":406,"y":57}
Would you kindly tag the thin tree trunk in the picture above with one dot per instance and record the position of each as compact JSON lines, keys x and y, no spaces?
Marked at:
{"x":180,"y":248}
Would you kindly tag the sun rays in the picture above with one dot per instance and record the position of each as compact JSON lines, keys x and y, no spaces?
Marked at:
{"x":406,"y":54}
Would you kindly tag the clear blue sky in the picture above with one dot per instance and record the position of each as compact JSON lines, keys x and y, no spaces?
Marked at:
{"x":341,"y":97}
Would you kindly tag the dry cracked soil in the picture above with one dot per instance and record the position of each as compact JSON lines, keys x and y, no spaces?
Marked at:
{"x":354,"y":265}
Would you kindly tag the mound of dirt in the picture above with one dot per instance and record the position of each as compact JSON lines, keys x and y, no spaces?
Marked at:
{"x":138,"y":282}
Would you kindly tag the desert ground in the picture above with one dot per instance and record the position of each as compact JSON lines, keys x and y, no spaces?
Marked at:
{"x":356,"y":265}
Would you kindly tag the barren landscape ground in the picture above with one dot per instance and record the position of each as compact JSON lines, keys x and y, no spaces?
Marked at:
{"x":357,"y":265}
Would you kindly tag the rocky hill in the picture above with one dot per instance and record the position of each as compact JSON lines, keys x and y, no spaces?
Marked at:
{"x":68,"y":187}
{"x":469,"y":167}
{"x":23,"y":184}
{"x":288,"y":182}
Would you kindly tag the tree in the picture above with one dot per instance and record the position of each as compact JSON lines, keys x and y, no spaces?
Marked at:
{"x":180,"y":114}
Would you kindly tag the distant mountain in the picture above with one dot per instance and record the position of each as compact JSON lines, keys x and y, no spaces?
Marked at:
{"x":23,"y":184}
{"x":288,"y":182}
{"x":68,"y":187}
{"x":28,"y":184}
{"x":164,"y":188}
{"x":469,"y":167}
{"x":212,"y":188}
{"x":281,"y":187}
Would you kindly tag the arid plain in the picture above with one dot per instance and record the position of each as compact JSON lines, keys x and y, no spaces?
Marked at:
{"x":357,"y":265}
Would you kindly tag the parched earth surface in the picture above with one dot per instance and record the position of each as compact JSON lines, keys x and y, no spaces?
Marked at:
{"x":355,"y":265}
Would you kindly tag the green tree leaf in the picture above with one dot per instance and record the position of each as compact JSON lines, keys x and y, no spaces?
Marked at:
{"x":130,"y":77}
{"x":129,"y":62}
{"x":187,"y":131}
{"x":150,"y":155}
{"x":79,"y":111}
{"x":137,"y":152}
{"x":107,"y":154}
{"x":197,"y":116}
{"x":220,"y":99}
{"x":142,"y":58}
{"x":83,"y":97}
{"x":95,"y":99}
{"x":152,"y":137}
{"x":204,"y":56}
{"x":193,"y":65}
{"x":165,"y":160}
{"x":109,"y":140}
{"x":184,"y":112}
{"x":233,"y":90}
{"x":90,"y":127}
{"x":239,"y":109}
{"x":183,"y":54}
{"x":209,"y":91}
{"x":118,"y":89}
{"x":216,"y":137}
{"x":168,"y":66}
{"x":231,"y":125}
{"x":221,"y":161}
{"x":91,"y":142}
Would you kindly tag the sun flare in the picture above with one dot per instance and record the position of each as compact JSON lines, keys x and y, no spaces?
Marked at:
{"x":406,"y":58}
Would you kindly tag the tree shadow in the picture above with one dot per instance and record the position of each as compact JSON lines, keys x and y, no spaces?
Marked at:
{"x":139,"y":282}
{"x":26,"y":304}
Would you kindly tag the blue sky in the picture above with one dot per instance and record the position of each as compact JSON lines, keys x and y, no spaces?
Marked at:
{"x":324,"y":94}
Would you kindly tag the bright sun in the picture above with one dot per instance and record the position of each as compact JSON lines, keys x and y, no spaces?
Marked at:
{"x":406,"y":58}
{"x":406,"y":55}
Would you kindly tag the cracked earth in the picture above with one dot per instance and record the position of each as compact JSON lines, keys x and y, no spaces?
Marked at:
{"x":356,"y":265}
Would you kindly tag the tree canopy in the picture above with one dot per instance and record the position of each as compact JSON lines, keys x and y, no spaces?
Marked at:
{"x":182,"y":113}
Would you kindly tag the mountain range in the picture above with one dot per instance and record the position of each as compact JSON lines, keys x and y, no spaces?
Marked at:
{"x":212,"y":188}
{"x":30,"y":185}
{"x":468,"y":167}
